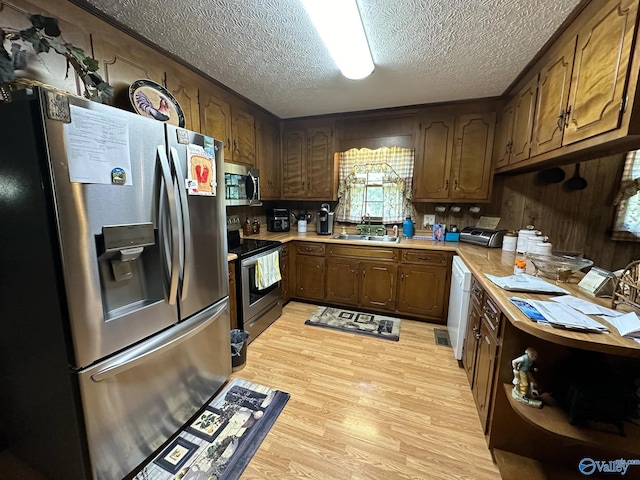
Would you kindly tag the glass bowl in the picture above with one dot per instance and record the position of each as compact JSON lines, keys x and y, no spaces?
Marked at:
{"x":560,"y":268}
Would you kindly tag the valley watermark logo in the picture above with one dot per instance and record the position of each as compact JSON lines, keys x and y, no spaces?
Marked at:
{"x":589,"y":466}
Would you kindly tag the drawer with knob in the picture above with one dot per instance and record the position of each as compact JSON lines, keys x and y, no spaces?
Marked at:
{"x":426,"y":257}
{"x":309,"y":248}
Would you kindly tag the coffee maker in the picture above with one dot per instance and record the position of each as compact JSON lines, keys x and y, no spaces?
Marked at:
{"x":324,"y":220}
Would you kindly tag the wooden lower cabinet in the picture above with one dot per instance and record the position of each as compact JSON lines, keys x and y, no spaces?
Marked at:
{"x":343,"y":280}
{"x":422,"y":290}
{"x":485,"y":368}
{"x":310,"y":278}
{"x":233,"y":302}
{"x":404,"y":281}
{"x":284,"y":273}
{"x":378,"y":285}
{"x":307,"y":263}
{"x":470,"y":345}
{"x":481,"y":347}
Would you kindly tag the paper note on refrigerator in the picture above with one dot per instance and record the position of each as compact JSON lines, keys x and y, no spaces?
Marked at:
{"x":97,"y":148}
{"x":201,"y":171}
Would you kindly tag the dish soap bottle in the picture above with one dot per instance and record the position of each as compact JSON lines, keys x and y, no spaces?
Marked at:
{"x":407,"y":227}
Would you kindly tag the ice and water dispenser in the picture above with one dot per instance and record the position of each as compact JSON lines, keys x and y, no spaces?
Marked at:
{"x":130,"y":274}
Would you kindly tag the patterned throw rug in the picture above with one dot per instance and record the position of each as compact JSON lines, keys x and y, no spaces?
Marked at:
{"x":220,"y":441}
{"x":363,"y":323}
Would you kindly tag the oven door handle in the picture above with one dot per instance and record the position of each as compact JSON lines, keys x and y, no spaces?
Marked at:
{"x":251,"y":261}
{"x":185,"y":234}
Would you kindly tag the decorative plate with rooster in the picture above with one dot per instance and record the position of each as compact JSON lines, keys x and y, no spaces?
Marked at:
{"x":153,"y":100}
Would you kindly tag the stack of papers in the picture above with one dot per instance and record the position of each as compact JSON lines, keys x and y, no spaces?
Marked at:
{"x":627,"y":324}
{"x":559,"y":315}
{"x":524,"y":282}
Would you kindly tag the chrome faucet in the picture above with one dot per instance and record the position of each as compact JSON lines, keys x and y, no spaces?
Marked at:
{"x":367,"y":218}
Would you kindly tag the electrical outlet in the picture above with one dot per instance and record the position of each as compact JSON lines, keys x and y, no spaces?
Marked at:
{"x":428,"y":220}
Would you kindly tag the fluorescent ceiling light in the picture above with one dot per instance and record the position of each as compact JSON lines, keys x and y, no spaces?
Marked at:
{"x":340,"y":27}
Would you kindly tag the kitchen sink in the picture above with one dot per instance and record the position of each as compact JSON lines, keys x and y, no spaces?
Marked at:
{"x":368,"y":238}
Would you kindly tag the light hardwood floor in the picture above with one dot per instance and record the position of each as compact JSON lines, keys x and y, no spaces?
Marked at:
{"x":360,"y":407}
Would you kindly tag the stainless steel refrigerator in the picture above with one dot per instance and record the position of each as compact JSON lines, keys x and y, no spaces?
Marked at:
{"x":114,"y":326}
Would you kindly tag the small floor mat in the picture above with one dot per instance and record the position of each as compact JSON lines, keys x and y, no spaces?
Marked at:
{"x":368,"y":324}
{"x":220,"y":441}
{"x":442,"y":337}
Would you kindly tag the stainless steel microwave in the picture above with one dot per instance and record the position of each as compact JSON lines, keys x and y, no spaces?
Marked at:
{"x":241,"y":185}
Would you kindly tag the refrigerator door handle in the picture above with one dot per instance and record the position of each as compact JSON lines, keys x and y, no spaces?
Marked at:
{"x":160,"y":343}
{"x":171,"y":272}
{"x":185,"y":238}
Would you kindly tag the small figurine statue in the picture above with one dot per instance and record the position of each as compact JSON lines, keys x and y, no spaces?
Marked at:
{"x":525,"y":389}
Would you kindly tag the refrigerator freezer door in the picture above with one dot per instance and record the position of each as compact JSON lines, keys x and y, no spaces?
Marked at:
{"x":134,"y":401}
{"x":205,"y":272}
{"x":114,"y":300}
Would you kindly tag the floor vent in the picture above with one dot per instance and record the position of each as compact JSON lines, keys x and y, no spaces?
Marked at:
{"x":442,"y":337}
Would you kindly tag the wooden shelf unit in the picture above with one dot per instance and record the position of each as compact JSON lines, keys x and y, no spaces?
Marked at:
{"x":517,"y":467}
{"x":553,"y":419}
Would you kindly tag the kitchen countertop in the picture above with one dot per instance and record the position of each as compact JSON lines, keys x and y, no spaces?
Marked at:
{"x":481,"y":260}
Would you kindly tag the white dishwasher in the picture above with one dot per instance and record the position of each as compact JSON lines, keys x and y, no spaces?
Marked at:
{"x":458,"y":305}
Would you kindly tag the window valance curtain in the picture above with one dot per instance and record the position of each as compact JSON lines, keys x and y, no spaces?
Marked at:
{"x":391,"y":166}
{"x":626,"y":225}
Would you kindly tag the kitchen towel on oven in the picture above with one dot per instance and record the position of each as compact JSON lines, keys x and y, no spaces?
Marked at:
{"x":267,"y":270}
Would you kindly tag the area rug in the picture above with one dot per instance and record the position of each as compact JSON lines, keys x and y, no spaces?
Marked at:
{"x":363,"y":323}
{"x":220,"y":441}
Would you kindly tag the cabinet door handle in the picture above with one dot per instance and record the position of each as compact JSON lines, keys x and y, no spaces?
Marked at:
{"x":446,"y":184}
{"x":402,"y":276}
{"x":455,"y":184}
{"x":478,"y":336}
{"x":561,"y":120}
{"x":566,"y":117}
{"x":486,"y":339}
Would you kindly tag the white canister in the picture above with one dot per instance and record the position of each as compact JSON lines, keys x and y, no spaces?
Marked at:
{"x":543,"y":248}
{"x":509,"y":242}
{"x":302,"y":226}
{"x":533,"y":242}
{"x":523,"y":237}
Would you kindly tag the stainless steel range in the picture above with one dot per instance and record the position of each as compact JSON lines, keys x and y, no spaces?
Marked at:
{"x":257,"y":308}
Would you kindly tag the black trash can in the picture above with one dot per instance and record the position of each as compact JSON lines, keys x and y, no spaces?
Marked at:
{"x":238,"y":349}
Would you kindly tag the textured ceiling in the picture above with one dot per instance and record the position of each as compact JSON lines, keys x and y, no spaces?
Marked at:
{"x":425,"y":51}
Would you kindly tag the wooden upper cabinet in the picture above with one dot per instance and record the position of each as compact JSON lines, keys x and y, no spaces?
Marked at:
{"x":504,"y":131}
{"x":244,"y":137}
{"x":183,"y":86}
{"x":294,"y":143}
{"x":553,"y":95}
{"x":471,"y":167}
{"x":123,"y":63}
{"x":454,"y":158}
{"x":319,"y":156}
{"x":513,"y":132}
{"x":582,"y":88}
{"x":523,"y":114}
{"x":215,"y":120}
{"x":268,"y":159}
{"x":308,"y":165}
{"x":598,"y":85}
{"x":433,"y":164}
